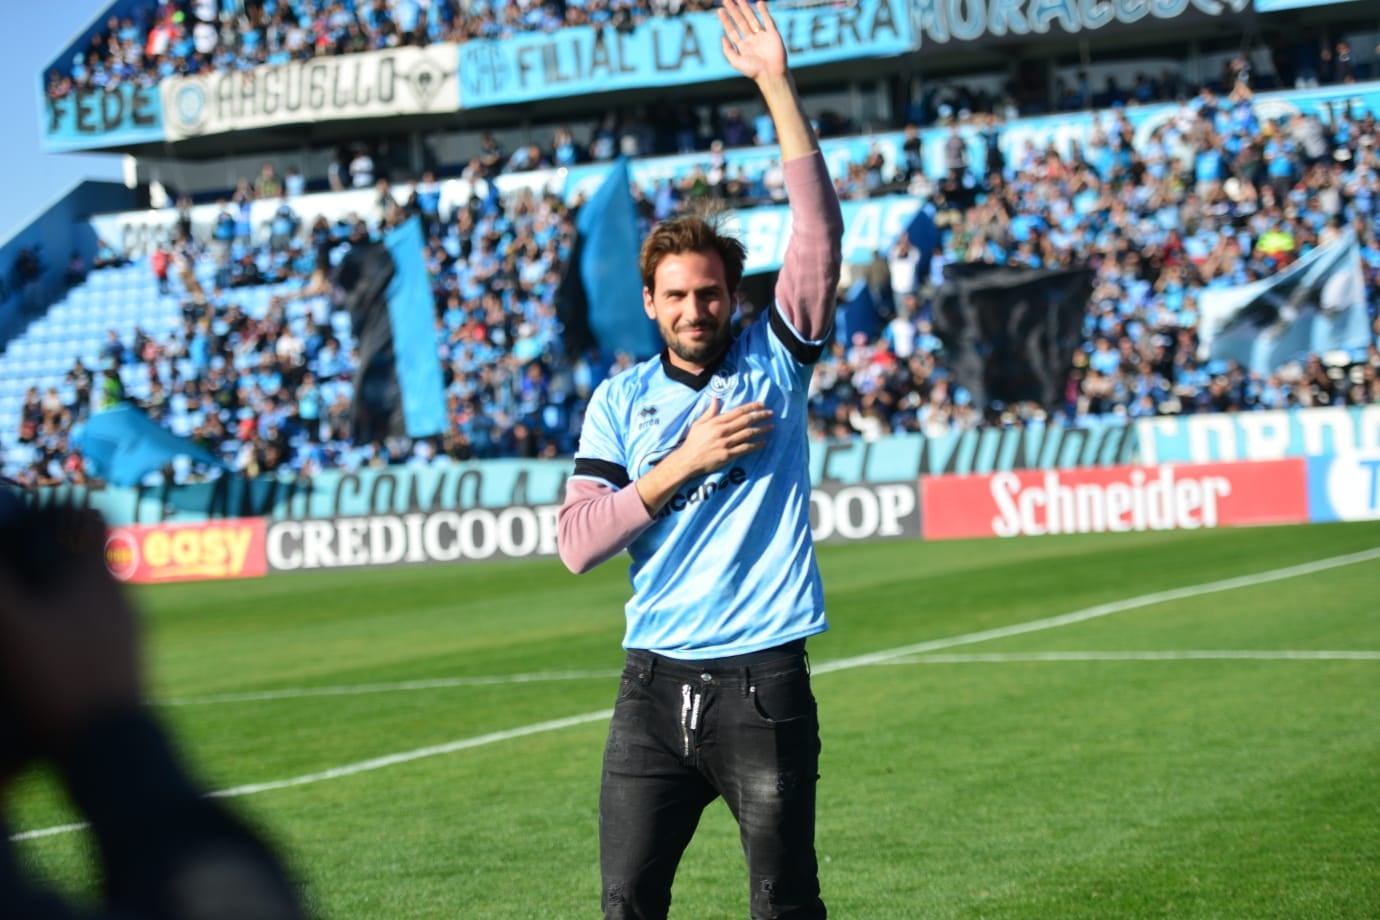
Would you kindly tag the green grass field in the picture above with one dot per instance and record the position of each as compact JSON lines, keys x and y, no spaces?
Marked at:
{"x":1020,"y":773}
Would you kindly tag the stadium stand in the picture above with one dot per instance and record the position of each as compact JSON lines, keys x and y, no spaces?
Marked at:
{"x":158,"y":39}
{"x":235,"y":337}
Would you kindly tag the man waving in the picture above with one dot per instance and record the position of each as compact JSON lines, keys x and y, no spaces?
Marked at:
{"x":696,"y":463}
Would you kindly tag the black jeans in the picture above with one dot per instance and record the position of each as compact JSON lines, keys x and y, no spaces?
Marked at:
{"x":684,"y":733}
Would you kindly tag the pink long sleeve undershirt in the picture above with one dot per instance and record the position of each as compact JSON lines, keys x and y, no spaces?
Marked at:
{"x":597,"y":521}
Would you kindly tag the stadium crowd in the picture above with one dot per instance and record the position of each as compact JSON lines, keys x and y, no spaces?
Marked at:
{"x":1212,"y":197}
{"x":163,"y":38}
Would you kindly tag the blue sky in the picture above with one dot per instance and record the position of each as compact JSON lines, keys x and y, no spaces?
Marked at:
{"x":31,"y":34}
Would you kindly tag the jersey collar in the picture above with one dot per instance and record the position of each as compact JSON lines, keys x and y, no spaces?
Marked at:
{"x":698,"y":381}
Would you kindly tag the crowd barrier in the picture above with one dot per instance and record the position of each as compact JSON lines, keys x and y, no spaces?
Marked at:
{"x":1185,"y":473}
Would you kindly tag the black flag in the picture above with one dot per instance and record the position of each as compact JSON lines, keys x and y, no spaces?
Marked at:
{"x":1010,"y":333}
{"x":364,"y":275}
{"x":572,"y":305}
{"x":399,"y":388}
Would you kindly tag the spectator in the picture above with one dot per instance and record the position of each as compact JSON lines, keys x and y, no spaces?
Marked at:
{"x":903,"y":265}
{"x":268,"y":185}
{"x":283,"y":227}
{"x":161,"y":262}
{"x":106,"y":256}
{"x":955,"y":153}
{"x":76,"y":270}
{"x":71,"y":689}
{"x":362,"y":169}
{"x":294,"y":183}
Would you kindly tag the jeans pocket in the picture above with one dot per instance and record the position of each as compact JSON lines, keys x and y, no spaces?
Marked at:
{"x":783,"y":698}
{"x":633,"y":682}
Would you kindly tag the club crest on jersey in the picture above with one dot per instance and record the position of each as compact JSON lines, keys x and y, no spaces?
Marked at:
{"x":722,"y":381}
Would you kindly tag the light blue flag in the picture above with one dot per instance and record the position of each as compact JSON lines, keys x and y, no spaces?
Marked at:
{"x":1316,"y":305}
{"x":607,"y":223}
{"x":123,"y":445}
{"x":412,"y":314}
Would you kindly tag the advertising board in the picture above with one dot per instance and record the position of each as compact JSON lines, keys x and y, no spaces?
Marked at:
{"x":1114,"y":499}
{"x":149,"y":554}
{"x":1344,"y":488}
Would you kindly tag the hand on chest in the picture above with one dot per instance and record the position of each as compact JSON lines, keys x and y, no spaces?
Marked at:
{"x":659,"y":419}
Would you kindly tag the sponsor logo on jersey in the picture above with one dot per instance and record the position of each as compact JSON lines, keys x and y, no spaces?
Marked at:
{"x":705,"y":491}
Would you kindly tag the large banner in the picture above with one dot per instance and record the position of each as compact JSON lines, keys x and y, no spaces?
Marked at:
{"x":231,"y":548}
{"x":374,"y":84}
{"x":1229,"y":436}
{"x":496,"y":484}
{"x":683,"y":50}
{"x":1114,"y":500}
{"x":90,"y":118}
{"x":953,"y":22}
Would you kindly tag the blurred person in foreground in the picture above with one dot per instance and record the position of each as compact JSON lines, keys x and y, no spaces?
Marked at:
{"x":696,"y":462}
{"x":71,"y":695}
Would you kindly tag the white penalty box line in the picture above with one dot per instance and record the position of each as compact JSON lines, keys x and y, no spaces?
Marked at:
{"x":887,"y":656}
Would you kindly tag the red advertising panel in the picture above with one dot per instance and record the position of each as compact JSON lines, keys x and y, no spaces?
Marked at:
{"x":229,"y":548}
{"x":1114,"y":499}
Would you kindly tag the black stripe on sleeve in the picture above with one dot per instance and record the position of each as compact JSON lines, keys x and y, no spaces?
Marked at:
{"x":802,"y":351}
{"x":611,"y":473}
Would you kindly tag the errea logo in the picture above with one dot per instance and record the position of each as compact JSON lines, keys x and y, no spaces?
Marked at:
{"x":646,"y":417}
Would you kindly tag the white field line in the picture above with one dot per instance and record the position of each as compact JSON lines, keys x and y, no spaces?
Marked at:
{"x":1102,"y":610}
{"x":1189,"y":655}
{"x":389,"y":760}
{"x":364,"y":766}
{"x":858,"y":661}
{"x":438,"y":683}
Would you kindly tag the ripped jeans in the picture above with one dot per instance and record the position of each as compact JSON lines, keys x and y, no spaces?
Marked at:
{"x":684,"y":733}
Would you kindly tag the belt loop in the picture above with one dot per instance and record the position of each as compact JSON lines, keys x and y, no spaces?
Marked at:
{"x":806,"y":654}
{"x":646,"y":665}
{"x":746,"y":681}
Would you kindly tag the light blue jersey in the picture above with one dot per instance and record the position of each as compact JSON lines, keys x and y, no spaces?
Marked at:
{"x":728,"y":565}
